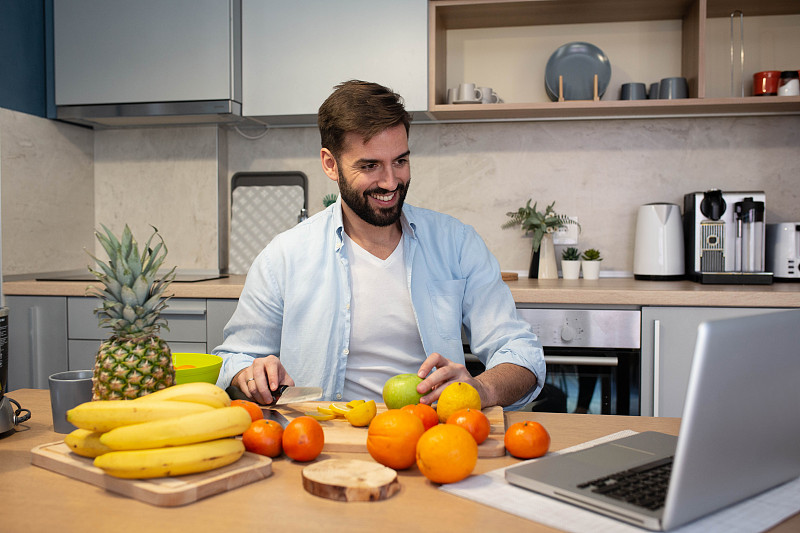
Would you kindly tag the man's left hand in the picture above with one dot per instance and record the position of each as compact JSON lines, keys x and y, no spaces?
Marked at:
{"x":446,"y":372}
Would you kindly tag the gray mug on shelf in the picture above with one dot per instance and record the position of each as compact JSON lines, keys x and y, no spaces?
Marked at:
{"x":633,"y":91}
{"x":67,"y":390}
{"x":673,"y":88}
{"x":653,"y":93}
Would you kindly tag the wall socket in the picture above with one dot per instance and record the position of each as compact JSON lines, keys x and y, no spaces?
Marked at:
{"x":567,"y":235}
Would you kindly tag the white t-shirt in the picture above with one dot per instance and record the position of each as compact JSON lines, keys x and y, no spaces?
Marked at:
{"x":384,"y":338}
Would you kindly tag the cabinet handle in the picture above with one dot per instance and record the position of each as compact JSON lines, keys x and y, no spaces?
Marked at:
{"x":575,"y":360}
{"x":656,"y":366}
{"x":35,"y":355}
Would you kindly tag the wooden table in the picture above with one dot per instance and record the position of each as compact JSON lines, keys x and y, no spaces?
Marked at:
{"x":33,"y":499}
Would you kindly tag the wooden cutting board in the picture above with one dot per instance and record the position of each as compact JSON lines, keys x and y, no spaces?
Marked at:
{"x":340,"y":436}
{"x":163,"y":492}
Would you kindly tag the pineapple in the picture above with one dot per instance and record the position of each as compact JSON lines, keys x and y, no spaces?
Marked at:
{"x":134,"y":361}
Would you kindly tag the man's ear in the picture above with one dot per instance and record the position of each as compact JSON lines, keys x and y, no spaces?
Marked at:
{"x":329,"y":165}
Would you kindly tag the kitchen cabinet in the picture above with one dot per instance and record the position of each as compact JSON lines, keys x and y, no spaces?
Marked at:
{"x":219,"y":313}
{"x":294,"y":53}
{"x":147,"y":62}
{"x":37,"y":340}
{"x":525,"y":21}
{"x":668,"y":339}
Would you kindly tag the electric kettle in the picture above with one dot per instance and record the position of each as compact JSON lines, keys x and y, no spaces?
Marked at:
{"x":658,"y":250}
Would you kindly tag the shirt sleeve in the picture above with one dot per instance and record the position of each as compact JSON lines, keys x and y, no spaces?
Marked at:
{"x":495,"y":331}
{"x":254,"y":330}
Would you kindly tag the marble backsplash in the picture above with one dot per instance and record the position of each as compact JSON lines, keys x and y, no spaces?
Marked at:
{"x":599,"y":171}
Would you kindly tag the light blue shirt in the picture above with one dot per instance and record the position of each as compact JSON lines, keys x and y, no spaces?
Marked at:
{"x":295,"y":303}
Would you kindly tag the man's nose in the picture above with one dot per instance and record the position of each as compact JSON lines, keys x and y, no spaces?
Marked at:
{"x":389,"y":178}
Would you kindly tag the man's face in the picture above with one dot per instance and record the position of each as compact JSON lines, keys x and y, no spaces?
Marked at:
{"x":374,"y":177}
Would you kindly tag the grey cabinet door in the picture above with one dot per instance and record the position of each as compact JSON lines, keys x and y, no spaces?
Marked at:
{"x":294,"y":53}
{"x":37,"y":340}
{"x":668,"y":339}
{"x":219,"y":312}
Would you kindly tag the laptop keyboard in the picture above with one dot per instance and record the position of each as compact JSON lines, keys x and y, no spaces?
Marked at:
{"x":643,"y":486}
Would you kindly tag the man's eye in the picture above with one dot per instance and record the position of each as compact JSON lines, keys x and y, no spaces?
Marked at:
{"x":369,"y":166}
{"x":401,"y":162}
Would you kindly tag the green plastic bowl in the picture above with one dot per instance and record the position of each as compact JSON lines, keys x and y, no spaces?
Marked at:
{"x":199,"y":367}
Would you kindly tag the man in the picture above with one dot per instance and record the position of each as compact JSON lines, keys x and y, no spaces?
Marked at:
{"x":370,"y":288}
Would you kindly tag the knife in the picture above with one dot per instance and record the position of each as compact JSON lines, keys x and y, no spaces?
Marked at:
{"x":282,"y":396}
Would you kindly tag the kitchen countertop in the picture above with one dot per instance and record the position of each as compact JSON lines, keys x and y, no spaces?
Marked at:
{"x":36,"y":499}
{"x":602,"y":292}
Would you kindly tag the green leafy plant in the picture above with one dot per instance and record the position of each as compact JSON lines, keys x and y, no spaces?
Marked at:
{"x":591,"y":255}
{"x":536,"y":223}
{"x":329,"y":199}
{"x":570,"y":254}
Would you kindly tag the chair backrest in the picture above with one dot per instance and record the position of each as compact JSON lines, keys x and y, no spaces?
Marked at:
{"x":263,"y":204}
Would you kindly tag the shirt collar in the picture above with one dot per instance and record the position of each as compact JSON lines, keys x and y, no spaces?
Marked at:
{"x":406,"y":222}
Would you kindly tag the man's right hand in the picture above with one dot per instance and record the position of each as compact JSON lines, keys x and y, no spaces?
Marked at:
{"x":257,"y":381}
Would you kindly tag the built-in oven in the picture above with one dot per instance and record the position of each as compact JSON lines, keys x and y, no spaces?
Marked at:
{"x":593,"y":359}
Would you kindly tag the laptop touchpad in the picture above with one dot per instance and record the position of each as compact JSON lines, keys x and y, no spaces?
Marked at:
{"x":612,"y":456}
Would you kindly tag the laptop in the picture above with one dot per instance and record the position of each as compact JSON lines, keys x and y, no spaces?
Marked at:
{"x":739,"y":436}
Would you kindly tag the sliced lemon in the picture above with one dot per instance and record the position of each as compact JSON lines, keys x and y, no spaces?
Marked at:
{"x":320,"y":416}
{"x":353,"y":403}
{"x":325,"y":410}
{"x":339,"y":409}
{"x":362,"y":414}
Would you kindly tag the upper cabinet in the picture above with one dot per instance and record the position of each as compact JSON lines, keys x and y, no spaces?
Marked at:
{"x":294,"y":53}
{"x":119,"y":62}
{"x":506,"y":44}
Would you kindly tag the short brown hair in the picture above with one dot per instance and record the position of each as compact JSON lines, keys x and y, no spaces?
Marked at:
{"x":360,"y":107}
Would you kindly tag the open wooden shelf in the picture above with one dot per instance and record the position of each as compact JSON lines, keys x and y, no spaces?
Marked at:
{"x":445,"y":15}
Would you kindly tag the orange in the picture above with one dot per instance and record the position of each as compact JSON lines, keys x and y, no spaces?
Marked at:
{"x":527,"y":440}
{"x":303,"y":439}
{"x":392,"y":438}
{"x":446,"y":453}
{"x":425,"y":412}
{"x":264,"y":437}
{"x":252,"y":409}
{"x":473,"y":421}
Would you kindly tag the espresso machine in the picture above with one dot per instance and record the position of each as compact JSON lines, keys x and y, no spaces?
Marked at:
{"x":724,"y":237}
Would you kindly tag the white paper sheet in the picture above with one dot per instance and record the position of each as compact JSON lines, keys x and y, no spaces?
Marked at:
{"x":753,"y":515}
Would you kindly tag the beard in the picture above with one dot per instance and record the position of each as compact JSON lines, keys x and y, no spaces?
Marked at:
{"x":359,"y":202}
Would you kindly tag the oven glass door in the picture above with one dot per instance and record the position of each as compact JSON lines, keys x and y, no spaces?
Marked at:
{"x":590,"y":380}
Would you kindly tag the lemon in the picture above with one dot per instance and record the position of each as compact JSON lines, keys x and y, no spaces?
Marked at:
{"x":339,"y":409}
{"x":361,"y":415}
{"x":457,"y":396}
{"x":320,"y":416}
{"x":353,"y":403}
{"x":325,"y":411}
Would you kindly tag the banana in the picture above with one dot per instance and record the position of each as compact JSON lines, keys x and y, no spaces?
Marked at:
{"x":197,"y":392}
{"x":86,"y":443}
{"x":103,"y":415}
{"x":187,"y":429}
{"x":171,"y":461}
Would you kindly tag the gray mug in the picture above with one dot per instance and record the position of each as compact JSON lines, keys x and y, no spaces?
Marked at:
{"x":633,"y":91}
{"x":653,"y":94}
{"x":673,"y":88}
{"x":67,"y":390}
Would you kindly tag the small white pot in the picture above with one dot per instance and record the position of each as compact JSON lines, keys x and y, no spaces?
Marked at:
{"x":570,"y":269}
{"x":591,"y":269}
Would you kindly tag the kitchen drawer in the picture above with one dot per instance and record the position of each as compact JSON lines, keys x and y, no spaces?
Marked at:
{"x":186,"y":320}
{"x":83,"y":352}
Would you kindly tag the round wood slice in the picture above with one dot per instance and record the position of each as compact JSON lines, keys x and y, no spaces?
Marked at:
{"x":350,"y":480}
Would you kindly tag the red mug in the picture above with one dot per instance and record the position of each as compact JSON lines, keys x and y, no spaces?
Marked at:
{"x":766,"y":83}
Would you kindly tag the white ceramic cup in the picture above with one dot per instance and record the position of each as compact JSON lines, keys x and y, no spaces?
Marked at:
{"x":488,"y":96}
{"x":451,"y":94}
{"x":467,"y":92}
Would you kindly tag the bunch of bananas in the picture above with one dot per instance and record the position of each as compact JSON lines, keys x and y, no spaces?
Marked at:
{"x":183,"y":429}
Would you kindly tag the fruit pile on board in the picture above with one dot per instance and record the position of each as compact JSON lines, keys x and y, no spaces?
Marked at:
{"x":183,"y":429}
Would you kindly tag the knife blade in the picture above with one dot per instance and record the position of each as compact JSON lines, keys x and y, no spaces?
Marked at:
{"x":282,"y":396}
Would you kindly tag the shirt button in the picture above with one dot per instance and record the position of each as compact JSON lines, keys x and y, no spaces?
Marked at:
{"x":347,"y":307}
{"x":338,"y":396}
{"x":346,"y":351}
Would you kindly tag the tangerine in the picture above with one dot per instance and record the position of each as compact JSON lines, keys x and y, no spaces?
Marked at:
{"x":264,"y":437}
{"x":527,"y":440}
{"x":252,"y":409}
{"x":303,"y":439}
{"x":473,"y":421}
{"x":456,"y":396}
{"x":446,"y":453}
{"x":392,"y":438}
{"x":424,"y":412}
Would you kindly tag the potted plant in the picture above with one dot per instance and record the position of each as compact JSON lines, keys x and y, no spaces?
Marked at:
{"x":570,"y":263}
{"x":540,"y":226}
{"x":329,"y":199}
{"x":590,"y":263}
